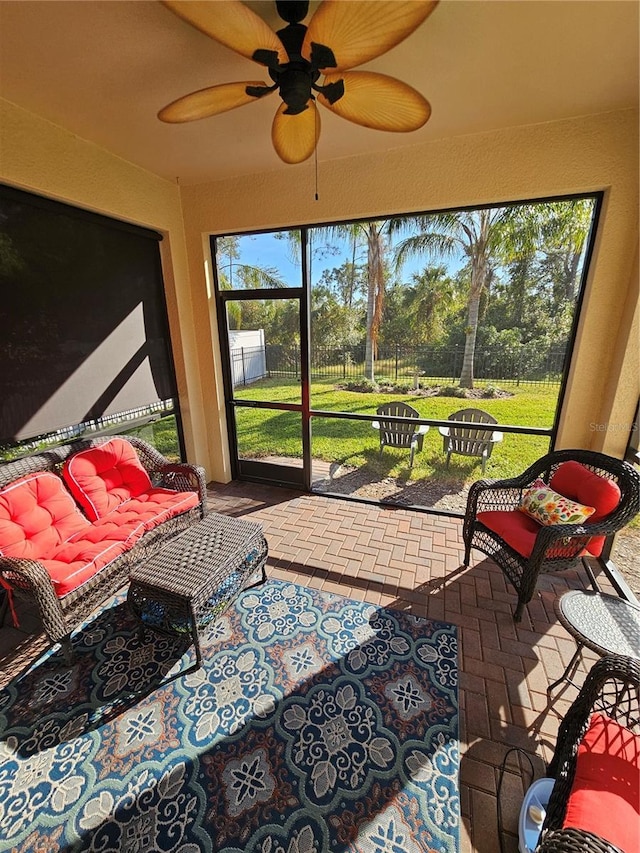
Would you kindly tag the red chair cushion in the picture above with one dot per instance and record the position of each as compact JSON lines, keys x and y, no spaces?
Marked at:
{"x":157,"y":505}
{"x":89,"y":551}
{"x":517,"y":529}
{"x":101,"y":478}
{"x":605,"y":796}
{"x":37,"y":514}
{"x":579,"y":483}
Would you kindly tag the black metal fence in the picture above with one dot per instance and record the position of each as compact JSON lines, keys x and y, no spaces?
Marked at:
{"x":397,"y":363}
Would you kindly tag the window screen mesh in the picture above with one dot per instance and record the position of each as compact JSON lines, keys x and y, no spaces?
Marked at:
{"x":83,"y":317}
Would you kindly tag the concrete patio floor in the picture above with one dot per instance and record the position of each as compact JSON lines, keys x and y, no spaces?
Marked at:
{"x":412,"y":561}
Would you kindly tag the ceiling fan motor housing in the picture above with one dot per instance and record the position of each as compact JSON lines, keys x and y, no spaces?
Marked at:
{"x":295,"y":88}
{"x":297,"y":78}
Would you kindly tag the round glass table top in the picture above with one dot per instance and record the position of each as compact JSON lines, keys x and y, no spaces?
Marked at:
{"x":603,"y":623}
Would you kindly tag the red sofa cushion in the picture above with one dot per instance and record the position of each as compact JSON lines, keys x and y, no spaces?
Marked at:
{"x":579,"y":483}
{"x":605,"y":796}
{"x":89,"y":551}
{"x":101,"y":478}
{"x":37,"y":514}
{"x":157,"y":505}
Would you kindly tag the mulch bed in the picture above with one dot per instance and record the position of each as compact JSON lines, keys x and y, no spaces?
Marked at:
{"x":626,"y":556}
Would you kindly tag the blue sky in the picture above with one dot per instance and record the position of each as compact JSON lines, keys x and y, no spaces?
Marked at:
{"x":265,"y":250}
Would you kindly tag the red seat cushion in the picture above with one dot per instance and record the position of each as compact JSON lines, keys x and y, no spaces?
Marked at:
{"x":101,"y":478}
{"x":89,"y":551}
{"x":579,"y":483}
{"x":157,"y":505}
{"x":517,"y":529}
{"x":37,"y":514}
{"x":605,"y":796}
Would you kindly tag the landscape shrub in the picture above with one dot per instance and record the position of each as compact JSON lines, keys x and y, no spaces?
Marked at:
{"x":452,"y":391}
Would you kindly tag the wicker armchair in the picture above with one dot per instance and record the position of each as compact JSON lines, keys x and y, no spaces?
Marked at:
{"x":60,"y":616}
{"x":557,"y":547}
{"x":612,"y":687}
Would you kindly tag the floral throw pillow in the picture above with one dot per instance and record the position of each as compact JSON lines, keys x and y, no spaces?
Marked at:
{"x":548,"y":507}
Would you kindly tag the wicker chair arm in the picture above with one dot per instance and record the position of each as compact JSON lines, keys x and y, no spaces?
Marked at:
{"x":508,"y":492}
{"x":576,"y":536}
{"x":25,"y":574}
{"x":616,"y":669}
{"x":493,"y":494}
{"x":32,"y":576}
{"x":579,"y":534}
{"x":183,"y":478}
{"x":550,"y":537}
{"x":575,"y":841}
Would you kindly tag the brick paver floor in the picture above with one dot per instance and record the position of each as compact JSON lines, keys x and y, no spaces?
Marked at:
{"x":413,"y":561}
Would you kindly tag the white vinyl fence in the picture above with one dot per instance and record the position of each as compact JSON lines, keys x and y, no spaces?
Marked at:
{"x":248,"y":358}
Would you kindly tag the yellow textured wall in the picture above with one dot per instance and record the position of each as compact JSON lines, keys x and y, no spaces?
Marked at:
{"x":38,"y":156}
{"x":571,"y":156}
{"x":622,"y":391}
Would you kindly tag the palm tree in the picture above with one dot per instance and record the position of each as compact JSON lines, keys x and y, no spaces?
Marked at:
{"x":233,"y":274}
{"x":492,"y":236}
{"x":429,"y":299}
{"x":565,"y":233}
{"x":482,"y":236}
{"x":374,"y":234}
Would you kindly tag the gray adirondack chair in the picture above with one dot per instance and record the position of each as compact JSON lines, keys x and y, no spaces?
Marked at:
{"x":470,"y":438}
{"x":398,"y":433}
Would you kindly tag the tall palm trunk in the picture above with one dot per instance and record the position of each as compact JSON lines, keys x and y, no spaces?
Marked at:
{"x":375,"y":297}
{"x":369,"y":356}
{"x":479,"y":274}
{"x":571,"y":266}
{"x":466,"y":375}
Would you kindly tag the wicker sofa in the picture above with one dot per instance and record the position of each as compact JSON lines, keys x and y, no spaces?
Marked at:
{"x":75,"y":519}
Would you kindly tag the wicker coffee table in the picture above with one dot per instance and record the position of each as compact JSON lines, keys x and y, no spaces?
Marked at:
{"x":606,"y":624}
{"x":195,"y":578}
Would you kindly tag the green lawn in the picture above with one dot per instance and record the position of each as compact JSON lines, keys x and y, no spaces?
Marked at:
{"x":161,"y":434}
{"x":265,"y":433}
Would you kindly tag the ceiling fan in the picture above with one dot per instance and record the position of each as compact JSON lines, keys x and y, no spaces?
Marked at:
{"x":340,"y":35}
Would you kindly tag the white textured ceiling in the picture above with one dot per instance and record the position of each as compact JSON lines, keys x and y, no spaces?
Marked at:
{"x":103,"y":68}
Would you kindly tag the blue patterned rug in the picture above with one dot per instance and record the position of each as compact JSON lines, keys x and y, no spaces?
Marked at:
{"x":317,"y":724}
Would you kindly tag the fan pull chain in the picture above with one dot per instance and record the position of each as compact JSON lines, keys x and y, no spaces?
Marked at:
{"x":315,"y":150}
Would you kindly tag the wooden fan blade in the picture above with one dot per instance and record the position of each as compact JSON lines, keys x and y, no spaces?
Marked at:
{"x":231,"y":23}
{"x":208,"y":102}
{"x":295,"y":137}
{"x":378,"y":101}
{"x":360,"y":30}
